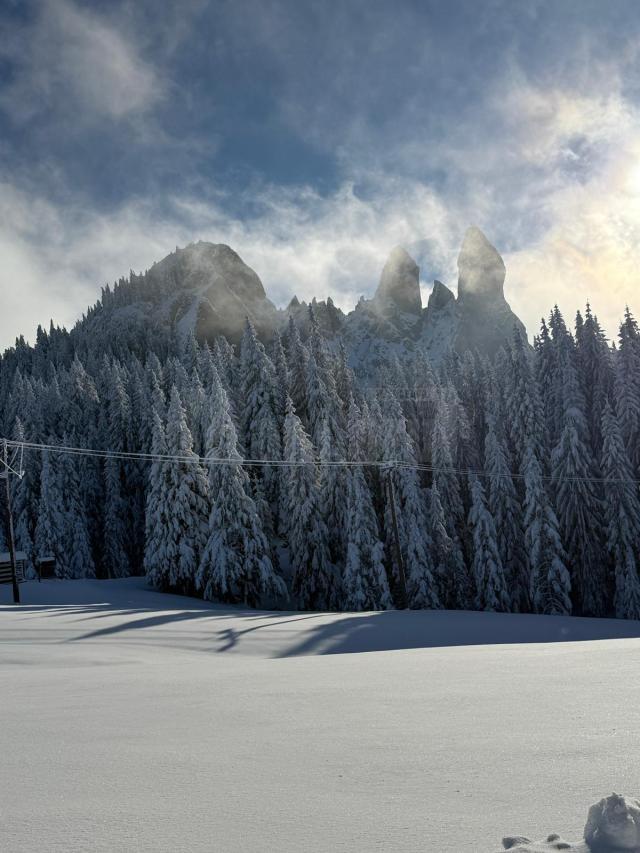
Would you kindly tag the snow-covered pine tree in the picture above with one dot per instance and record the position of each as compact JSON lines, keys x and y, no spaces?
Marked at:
{"x":445,"y":480}
{"x":488,"y":571}
{"x":424,"y":408}
{"x":259,"y":419}
{"x":443,"y":550}
{"x":627,"y":387}
{"x":298,"y":366}
{"x":364,"y":582}
{"x":345,"y":380}
{"x":622,"y":517}
{"x":236,"y":565}
{"x":76,"y":545}
{"x":226,"y":363}
{"x":283,"y":379}
{"x":549,"y":580}
{"x":333,"y":484}
{"x":82,"y":420}
{"x":196,"y":409}
{"x":115,"y":559}
{"x":49,"y":535}
{"x":577,"y":503}
{"x":504,"y":506}
{"x":187,"y":504}
{"x":472,"y":397}
{"x":525,"y":421}
{"x":595,"y":371}
{"x":323,"y":404}
{"x":410,"y":508}
{"x":562,"y":352}
{"x":315,"y":581}
{"x":461,"y":439}
{"x":157,"y":512}
{"x":115,"y":430}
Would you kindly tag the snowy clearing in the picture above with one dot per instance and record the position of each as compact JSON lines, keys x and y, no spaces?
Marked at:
{"x":136,"y":721}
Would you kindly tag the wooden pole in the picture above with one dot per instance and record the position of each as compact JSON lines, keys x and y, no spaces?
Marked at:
{"x":402,"y":579}
{"x":12,"y":544}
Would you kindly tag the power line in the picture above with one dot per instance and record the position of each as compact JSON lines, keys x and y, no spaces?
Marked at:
{"x":285,"y":463}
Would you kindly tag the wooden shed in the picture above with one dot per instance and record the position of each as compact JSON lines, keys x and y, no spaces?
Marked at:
{"x":5,"y":566}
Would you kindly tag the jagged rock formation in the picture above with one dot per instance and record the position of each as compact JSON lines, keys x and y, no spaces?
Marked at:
{"x":207,"y":289}
{"x":481,"y":270}
{"x":485,"y":316}
{"x":399,"y":288}
{"x":480,"y":318}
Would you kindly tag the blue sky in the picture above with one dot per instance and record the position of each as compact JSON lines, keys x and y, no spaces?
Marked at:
{"x":315,"y":136}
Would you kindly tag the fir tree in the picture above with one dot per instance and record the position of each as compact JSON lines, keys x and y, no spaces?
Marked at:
{"x":333,"y":483}
{"x":445,"y":481}
{"x":549,"y":580}
{"x":314,"y":578}
{"x":627,"y":387}
{"x":595,"y":369}
{"x":298,"y":366}
{"x":186,"y":497}
{"x":504,"y":506}
{"x":577,"y":503}
{"x":411,"y":510}
{"x":622,"y":517}
{"x":49,"y":535}
{"x":76,"y":546}
{"x":259,"y":418}
{"x":491,"y":586}
{"x":157,"y":511}
{"x":364,"y":583}
{"x":236,"y":565}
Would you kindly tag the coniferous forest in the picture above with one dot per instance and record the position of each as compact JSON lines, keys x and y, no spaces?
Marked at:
{"x":272,"y":475}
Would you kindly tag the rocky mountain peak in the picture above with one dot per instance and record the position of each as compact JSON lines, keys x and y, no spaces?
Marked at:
{"x":213,"y":291}
{"x":212,"y":267}
{"x":481,"y":270}
{"x":440,"y":296}
{"x":400,"y":283}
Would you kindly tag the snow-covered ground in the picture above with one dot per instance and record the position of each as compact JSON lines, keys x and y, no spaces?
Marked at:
{"x":134,"y":721}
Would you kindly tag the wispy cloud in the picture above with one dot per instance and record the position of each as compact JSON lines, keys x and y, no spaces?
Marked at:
{"x":78,"y":65}
{"x":299,"y":243}
{"x":431,"y":120}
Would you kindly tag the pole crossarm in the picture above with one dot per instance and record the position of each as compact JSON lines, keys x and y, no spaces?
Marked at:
{"x":12,"y":545}
{"x":8,"y":465}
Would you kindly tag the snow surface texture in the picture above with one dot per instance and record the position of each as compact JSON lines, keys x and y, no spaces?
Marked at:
{"x":137,"y":721}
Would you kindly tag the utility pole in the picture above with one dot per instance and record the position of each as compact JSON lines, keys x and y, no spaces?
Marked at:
{"x":12,"y":544}
{"x":402,"y":579}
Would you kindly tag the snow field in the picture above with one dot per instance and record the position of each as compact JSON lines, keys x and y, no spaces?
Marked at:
{"x":139,"y":722}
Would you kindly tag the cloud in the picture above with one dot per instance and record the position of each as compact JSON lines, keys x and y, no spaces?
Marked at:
{"x":56,"y":258}
{"x":73,"y":63}
{"x":584,"y":192}
{"x":533,"y":137}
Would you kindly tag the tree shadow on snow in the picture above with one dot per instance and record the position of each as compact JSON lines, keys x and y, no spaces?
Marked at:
{"x":217,"y":629}
{"x":356,"y":633}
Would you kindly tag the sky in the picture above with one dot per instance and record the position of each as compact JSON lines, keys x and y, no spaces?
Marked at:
{"x":313,"y":137}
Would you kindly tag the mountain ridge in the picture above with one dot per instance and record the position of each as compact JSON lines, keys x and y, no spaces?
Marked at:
{"x":479,"y":318}
{"x":206,"y":289}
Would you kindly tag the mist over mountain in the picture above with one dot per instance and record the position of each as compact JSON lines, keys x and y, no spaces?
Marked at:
{"x":207,"y":290}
